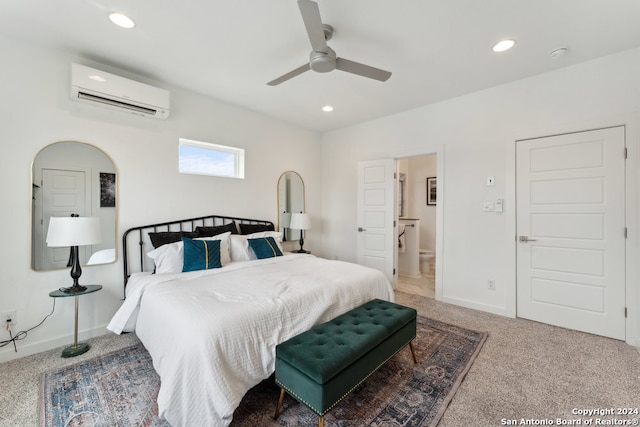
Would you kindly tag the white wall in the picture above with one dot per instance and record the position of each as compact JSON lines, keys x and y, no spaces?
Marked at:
{"x":475,"y":135}
{"x":36,"y":111}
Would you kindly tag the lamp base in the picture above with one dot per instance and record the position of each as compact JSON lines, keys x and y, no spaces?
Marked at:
{"x":74,"y":289}
{"x":75,"y":350}
{"x":301,"y":251}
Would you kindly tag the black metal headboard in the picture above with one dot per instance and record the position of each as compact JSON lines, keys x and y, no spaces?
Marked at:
{"x":144,"y":243}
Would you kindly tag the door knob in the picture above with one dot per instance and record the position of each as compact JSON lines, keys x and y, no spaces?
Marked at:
{"x":526,"y":239}
{"x":360,"y":229}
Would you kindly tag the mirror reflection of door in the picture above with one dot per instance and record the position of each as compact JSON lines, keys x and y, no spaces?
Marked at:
{"x":290,"y":200}
{"x":66,"y":180}
{"x":63,"y":194}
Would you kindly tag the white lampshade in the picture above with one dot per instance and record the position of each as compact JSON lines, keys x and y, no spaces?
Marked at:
{"x":73,"y":231}
{"x":300,"y":221}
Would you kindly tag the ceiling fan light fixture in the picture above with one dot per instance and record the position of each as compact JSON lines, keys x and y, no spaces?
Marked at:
{"x":121,"y":20}
{"x":503,"y":45}
{"x":323,"y":62}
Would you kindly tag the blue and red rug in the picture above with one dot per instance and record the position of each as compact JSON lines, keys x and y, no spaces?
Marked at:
{"x":120,"y":389}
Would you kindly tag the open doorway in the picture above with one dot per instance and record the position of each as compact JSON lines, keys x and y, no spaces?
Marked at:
{"x":417,"y":224}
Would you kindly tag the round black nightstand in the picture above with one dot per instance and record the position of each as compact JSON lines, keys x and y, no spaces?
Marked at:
{"x":76,"y":349}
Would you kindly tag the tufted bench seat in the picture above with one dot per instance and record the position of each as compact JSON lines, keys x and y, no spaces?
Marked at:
{"x":323,"y":365}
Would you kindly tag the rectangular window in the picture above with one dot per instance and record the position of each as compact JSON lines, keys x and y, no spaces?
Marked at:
{"x":203,"y":158}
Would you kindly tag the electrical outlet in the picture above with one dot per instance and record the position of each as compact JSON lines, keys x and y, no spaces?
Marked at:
{"x":6,"y":315}
{"x":491,"y":285}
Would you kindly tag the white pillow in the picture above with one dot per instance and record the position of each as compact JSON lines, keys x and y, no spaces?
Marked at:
{"x":240,"y":250}
{"x":169,"y":258}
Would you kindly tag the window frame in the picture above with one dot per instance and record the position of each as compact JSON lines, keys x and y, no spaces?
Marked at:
{"x":238,"y":156}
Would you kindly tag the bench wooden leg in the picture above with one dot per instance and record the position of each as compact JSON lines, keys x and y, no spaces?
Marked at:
{"x":321,"y":421}
{"x":275,"y":416}
{"x":413,"y":352}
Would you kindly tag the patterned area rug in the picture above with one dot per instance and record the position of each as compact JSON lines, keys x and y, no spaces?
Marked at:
{"x":120,"y":389}
{"x":116,"y":389}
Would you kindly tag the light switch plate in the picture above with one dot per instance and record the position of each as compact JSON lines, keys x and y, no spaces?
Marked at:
{"x":487,"y":207}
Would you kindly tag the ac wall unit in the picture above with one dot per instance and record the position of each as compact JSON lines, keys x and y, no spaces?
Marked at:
{"x":100,"y":88}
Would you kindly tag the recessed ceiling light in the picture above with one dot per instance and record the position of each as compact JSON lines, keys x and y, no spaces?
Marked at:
{"x":327,"y":108}
{"x":121,"y":20}
{"x":503,"y":45}
{"x":97,"y":78}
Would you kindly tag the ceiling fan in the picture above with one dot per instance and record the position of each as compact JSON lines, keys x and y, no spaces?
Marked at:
{"x":322,"y":58}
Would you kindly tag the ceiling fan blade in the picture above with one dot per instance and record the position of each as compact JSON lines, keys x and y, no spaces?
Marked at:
{"x":313,"y":23}
{"x":362,"y":70}
{"x":289,"y":75}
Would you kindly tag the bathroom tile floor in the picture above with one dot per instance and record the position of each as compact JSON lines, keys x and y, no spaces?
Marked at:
{"x":424,"y":286}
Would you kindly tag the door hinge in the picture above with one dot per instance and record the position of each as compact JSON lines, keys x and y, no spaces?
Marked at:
{"x":394,"y":271}
{"x":394,"y":222}
{"x":625,"y":153}
{"x":395,"y":175}
{"x":625,"y":232}
{"x":625,"y":312}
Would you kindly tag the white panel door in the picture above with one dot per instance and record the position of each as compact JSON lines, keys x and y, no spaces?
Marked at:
{"x":571,"y":231}
{"x":63,"y":193}
{"x":376,"y":214}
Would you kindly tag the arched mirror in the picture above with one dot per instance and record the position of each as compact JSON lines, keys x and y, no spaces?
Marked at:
{"x":72,"y":178}
{"x":290,"y":200}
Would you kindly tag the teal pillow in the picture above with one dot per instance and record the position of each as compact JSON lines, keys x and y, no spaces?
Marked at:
{"x":200,"y":254}
{"x":265,"y":247}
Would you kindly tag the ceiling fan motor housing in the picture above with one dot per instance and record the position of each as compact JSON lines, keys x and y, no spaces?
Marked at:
{"x":323,"y":62}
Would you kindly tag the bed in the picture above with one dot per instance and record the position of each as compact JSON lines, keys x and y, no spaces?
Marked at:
{"x":212,"y":332}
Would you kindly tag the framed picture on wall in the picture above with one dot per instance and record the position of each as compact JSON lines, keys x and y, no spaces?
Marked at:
{"x":107,"y":190}
{"x":432,"y":190}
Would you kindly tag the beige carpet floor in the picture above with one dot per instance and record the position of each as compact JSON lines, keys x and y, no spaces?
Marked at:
{"x":526,"y":370}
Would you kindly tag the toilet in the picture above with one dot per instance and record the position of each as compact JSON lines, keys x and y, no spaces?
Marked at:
{"x":426,"y":257}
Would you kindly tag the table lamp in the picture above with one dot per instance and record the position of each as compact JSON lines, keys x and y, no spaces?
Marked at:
{"x":74,"y":231}
{"x":300,"y":221}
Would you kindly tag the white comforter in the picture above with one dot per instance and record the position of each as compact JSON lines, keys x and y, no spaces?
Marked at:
{"x":212,"y":335}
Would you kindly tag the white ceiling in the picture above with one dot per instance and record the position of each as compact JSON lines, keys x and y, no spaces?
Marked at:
{"x":229,"y":50}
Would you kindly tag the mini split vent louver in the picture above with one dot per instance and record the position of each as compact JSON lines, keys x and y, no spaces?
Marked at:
{"x":100,"y":88}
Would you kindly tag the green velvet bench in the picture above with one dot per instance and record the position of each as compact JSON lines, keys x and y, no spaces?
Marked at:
{"x":323,"y":365}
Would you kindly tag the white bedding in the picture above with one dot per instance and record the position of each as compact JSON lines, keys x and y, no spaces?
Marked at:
{"x":212,"y":334}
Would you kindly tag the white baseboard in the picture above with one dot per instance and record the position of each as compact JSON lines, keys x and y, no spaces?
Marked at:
{"x":26,"y":348}
{"x":501,"y":311}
